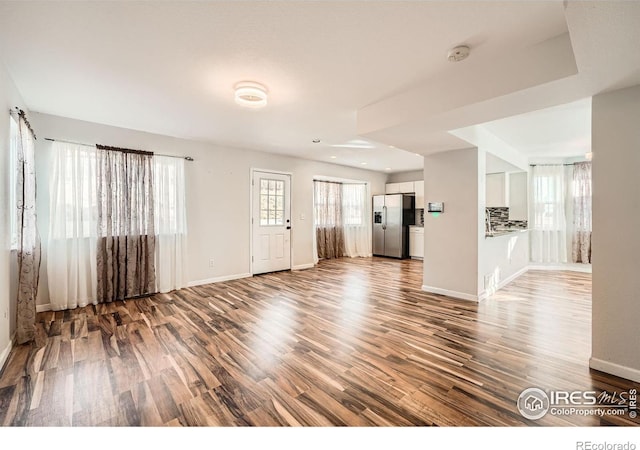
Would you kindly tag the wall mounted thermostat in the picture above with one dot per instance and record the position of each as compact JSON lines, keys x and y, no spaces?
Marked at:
{"x":435,"y":207}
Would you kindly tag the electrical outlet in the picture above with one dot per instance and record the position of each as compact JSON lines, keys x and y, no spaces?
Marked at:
{"x":211,"y":262}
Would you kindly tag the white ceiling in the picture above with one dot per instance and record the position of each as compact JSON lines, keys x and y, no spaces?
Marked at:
{"x":560,"y":131}
{"x":336,"y":71}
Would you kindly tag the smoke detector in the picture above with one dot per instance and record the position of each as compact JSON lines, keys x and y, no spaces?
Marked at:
{"x":458,"y":53}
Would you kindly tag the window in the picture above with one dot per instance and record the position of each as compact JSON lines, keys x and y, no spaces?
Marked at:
{"x":169,"y":196}
{"x":271,"y":202}
{"x":73,"y":190}
{"x":14,"y":135}
{"x":73,"y":224}
{"x":73,"y":207}
{"x":328,"y":204}
{"x":354,"y":204}
{"x":342,"y":219}
{"x":548,"y":200}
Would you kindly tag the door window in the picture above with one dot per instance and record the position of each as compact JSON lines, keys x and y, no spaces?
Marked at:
{"x":271,"y":202}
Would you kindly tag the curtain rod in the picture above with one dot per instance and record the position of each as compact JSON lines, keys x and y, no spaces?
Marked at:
{"x":21,"y":113}
{"x":188,"y":158}
{"x":355,"y":183}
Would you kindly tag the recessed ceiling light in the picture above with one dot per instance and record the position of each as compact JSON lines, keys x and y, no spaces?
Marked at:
{"x":388,"y":168}
{"x":458,"y":53}
{"x":363,"y":163}
{"x":251,"y":94}
{"x":316,"y":141}
{"x":333,"y":156}
{"x":391,"y":146}
{"x":417,"y":154}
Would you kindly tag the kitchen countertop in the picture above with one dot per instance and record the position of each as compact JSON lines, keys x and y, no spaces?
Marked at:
{"x":505,"y":232}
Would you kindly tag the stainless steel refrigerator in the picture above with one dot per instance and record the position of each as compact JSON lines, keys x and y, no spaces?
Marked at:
{"x":392,"y":215}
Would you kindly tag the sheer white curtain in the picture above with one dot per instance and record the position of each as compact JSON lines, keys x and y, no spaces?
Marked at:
{"x":548,"y":227}
{"x":71,"y":253}
{"x":355,"y":215}
{"x":170,"y":222}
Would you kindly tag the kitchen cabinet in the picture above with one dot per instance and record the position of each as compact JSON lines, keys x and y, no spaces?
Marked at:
{"x":416,"y":242}
{"x":400,"y":188}
{"x":419,"y":189}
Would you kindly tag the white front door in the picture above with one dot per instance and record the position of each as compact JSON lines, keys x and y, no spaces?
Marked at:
{"x":271,"y":222}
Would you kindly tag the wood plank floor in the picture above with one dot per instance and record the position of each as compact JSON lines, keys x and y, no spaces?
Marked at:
{"x":352,"y":342}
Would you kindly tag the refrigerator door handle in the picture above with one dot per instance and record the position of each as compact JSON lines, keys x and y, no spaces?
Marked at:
{"x":384,"y":223}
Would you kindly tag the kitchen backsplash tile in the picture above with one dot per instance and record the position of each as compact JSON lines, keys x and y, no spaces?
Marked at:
{"x":499,"y":218}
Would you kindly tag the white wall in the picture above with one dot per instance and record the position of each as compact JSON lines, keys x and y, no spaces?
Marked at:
{"x":452,"y":239}
{"x":9,"y":97}
{"x":496,"y":193}
{"x":616,"y":228}
{"x":218,"y":191}
{"x":518,"y":196}
{"x":502,"y":259}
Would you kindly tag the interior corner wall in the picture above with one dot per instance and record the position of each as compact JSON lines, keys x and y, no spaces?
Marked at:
{"x":451,"y":238}
{"x":9,"y":97}
{"x":218,"y":194}
{"x":616,"y":223}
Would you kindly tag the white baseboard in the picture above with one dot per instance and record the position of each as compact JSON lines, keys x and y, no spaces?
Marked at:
{"x":615,"y":369}
{"x":475,"y":298}
{"x":508,"y":280}
{"x":303,"y":266}
{"x":449,"y":293}
{"x":5,"y":354}
{"x":219,"y":279}
{"x":42,"y":308}
{"x":504,"y":282}
{"x":569,"y":267}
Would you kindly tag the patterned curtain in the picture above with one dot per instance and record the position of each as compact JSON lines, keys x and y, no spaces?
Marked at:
{"x":328,"y":218}
{"x":27,"y":237}
{"x":582,"y":212}
{"x":126,"y":237}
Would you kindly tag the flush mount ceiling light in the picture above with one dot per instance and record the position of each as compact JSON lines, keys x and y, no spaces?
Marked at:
{"x":458,"y":53}
{"x":251,"y":94}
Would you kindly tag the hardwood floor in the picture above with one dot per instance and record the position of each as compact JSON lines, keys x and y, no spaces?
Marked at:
{"x":351,"y":342}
